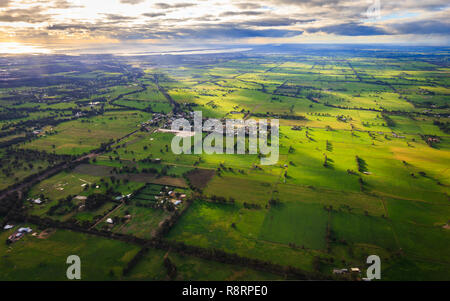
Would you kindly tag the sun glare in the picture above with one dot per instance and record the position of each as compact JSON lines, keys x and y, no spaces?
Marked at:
{"x":18,"y":48}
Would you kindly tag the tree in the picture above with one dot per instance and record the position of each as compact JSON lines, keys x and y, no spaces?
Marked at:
{"x":170,"y":266}
{"x":96,"y":200}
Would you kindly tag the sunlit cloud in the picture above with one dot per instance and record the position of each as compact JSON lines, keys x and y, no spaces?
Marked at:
{"x":48,"y":23}
{"x":19,"y":48}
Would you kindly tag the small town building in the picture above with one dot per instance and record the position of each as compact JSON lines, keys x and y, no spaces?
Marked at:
{"x":37,"y":201}
{"x":24,"y":230}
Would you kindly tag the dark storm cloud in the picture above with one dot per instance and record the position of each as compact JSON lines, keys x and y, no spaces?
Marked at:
{"x":350,"y":29}
{"x":234,"y":32}
{"x":423,"y":27}
{"x":177,"y":5}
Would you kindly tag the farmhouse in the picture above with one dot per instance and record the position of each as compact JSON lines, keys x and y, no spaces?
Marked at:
{"x":7,"y":227}
{"x":176,"y":202}
{"x":26,"y":230}
{"x":37,"y":201}
{"x":433,"y":139}
{"x":18,"y":234}
{"x":340,"y":271}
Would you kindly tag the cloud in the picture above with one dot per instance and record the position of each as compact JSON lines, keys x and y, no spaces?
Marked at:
{"x":132,"y":2}
{"x":153,"y":15}
{"x":275,"y":22}
{"x":423,"y":27}
{"x":228,"y":20}
{"x":72,"y":27}
{"x":233,"y":32}
{"x":248,"y":5}
{"x":4,"y":3}
{"x":177,"y":5}
{"x":63,"y":4}
{"x":155,"y":31}
{"x":241,"y":13}
{"x":350,"y":29}
{"x":29,"y":15}
{"x":114,"y":17}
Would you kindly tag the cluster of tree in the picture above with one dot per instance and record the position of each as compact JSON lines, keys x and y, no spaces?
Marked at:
{"x":96,"y":200}
{"x":10,"y":205}
{"x":352,"y":108}
{"x":230,"y":258}
{"x":170,"y":267}
{"x":37,"y":123}
{"x":17,"y":140}
{"x":134,"y":261}
{"x":431,"y":140}
{"x":62,"y":207}
{"x":155,"y":205}
{"x":390,"y":123}
{"x":18,"y":157}
{"x":281,"y":116}
{"x":351,"y":172}
{"x":443,"y":126}
{"x":251,"y":206}
{"x":169,"y":222}
{"x":361,"y":184}
{"x":362,"y":165}
{"x":274,"y":202}
{"x":221,"y":199}
{"x":328,"y":208}
{"x":329,"y":146}
{"x":12,"y":114}
{"x":295,"y":246}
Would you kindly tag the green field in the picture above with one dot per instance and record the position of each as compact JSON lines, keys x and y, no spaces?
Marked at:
{"x":363,"y":167}
{"x":33,"y":258}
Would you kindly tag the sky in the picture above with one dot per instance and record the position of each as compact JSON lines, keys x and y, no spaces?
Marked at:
{"x":43,"y":26}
